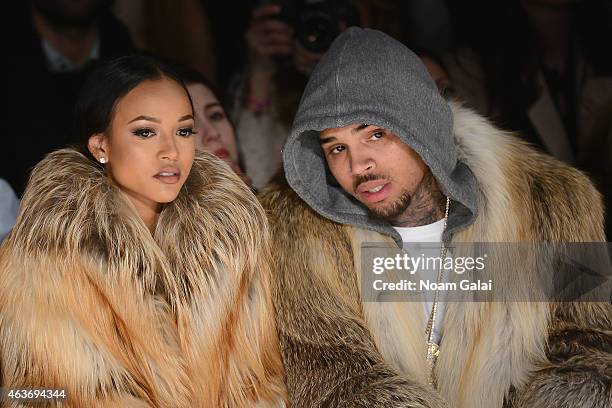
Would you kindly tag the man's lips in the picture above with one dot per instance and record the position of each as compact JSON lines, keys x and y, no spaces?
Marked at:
{"x":369,"y":185}
{"x":168,"y":175}
{"x":374,"y":191}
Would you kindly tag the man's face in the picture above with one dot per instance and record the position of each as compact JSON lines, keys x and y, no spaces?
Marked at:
{"x":374,"y":166}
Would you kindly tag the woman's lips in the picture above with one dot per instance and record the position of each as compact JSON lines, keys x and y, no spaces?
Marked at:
{"x":168,"y":176}
{"x":221,"y":153}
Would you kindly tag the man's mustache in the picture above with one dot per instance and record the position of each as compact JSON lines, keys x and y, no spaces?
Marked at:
{"x":367,"y":177}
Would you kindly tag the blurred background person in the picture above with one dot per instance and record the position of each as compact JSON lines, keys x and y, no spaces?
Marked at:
{"x":426,"y":25}
{"x":536,"y":66}
{"x":541,"y":67}
{"x":437,"y":70}
{"x":284,"y":41}
{"x":50,"y":46}
{"x":9,"y":206}
{"x":216,"y":133}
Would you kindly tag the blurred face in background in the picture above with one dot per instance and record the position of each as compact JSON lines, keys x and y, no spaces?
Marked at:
{"x":438,"y":74}
{"x":215,"y":133}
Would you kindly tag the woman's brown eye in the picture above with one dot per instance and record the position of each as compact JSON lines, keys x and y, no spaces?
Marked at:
{"x":185,"y":132}
{"x":145,"y":133}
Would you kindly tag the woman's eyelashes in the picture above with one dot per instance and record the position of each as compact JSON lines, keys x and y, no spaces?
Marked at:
{"x":186,"y":132}
{"x":147,"y":133}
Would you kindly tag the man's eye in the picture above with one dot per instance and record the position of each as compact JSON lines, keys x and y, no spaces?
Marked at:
{"x":336,"y":149}
{"x":376,"y":135}
{"x":185,"y":132}
{"x":145,"y":133}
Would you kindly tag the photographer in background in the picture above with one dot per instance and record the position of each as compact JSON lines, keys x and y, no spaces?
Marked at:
{"x":284,"y":42}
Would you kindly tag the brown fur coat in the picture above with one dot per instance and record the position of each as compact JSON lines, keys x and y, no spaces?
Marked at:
{"x":92,"y":303}
{"x":341,"y":352}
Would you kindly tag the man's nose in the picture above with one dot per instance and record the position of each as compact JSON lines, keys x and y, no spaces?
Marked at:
{"x":361,"y":162}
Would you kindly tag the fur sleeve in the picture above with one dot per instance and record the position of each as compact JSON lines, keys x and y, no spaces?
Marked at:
{"x":578,"y":372}
{"x":330,"y":357}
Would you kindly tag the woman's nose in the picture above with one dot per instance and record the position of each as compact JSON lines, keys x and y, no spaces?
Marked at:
{"x":209,"y":132}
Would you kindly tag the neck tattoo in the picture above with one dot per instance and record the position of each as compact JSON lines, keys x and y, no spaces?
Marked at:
{"x":427,"y":205}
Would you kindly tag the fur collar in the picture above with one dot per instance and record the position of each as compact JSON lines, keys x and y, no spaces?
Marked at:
{"x":72,"y":207}
{"x":525,"y":195}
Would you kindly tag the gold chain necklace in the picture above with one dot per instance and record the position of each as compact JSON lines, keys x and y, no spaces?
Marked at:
{"x":433,"y":349}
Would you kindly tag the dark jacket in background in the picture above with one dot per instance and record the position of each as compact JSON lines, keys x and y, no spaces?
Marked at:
{"x":39,"y":104}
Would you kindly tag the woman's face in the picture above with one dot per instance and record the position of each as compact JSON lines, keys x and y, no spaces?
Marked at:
{"x":149,"y":148}
{"x":215,"y":133}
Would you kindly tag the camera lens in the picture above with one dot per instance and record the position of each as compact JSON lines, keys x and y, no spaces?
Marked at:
{"x":316,"y":31}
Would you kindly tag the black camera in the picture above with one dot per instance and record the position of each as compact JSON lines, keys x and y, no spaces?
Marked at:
{"x":317,"y":22}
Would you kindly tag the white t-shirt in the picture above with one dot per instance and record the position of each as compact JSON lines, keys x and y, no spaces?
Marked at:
{"x":427,"y":234}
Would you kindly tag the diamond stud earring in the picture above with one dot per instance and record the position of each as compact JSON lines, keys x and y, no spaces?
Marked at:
{"x":102,"y":160}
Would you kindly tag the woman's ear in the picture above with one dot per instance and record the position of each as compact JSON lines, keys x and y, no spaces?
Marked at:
{"x":98,"y":148}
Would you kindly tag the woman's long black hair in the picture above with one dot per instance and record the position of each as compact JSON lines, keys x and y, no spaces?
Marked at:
{"x":108,"y":83}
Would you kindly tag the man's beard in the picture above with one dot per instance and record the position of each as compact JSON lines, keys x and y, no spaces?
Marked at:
{"x":395,"y":209}
{"x":391,"y":211}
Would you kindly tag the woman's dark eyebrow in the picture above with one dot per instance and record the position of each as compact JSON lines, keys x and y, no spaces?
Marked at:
{"x":186,"y":117}
{"x":144,"y":117}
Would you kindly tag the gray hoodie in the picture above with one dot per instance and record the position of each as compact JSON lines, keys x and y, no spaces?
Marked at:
{"x":368,"y":77}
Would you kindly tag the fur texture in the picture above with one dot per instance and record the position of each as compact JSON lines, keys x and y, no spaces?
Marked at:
{"x":339,"y":351}
{"x":92,"y":303}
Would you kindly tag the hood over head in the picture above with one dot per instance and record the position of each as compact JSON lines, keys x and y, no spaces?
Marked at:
{"x":368,"y":77}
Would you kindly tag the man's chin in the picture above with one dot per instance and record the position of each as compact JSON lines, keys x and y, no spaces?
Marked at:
{"x":386,"y":212}
{"x":389,"y":211}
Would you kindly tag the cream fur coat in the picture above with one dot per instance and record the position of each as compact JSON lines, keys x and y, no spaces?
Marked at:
{"x":341,"y":352}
